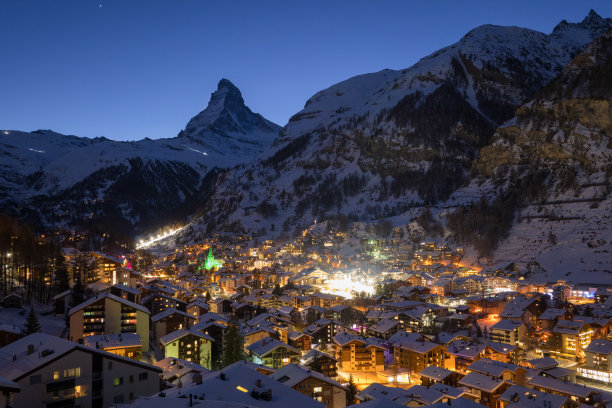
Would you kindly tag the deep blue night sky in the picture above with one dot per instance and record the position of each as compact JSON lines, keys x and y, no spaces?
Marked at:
{"x":129,"y":69}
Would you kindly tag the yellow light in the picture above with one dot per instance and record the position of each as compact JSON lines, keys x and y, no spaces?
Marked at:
{"x":240,"y":388}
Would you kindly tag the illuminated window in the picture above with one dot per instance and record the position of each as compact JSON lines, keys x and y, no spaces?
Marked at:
{"x":56,"y":375}
{"x":240,"y":388}
{"x":118,"y":381}
{"x":318,"y":389}
{"x":79,"y":391}
{"x":286,"y":360}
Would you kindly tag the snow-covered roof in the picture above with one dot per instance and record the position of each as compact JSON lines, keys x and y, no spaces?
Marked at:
{"x":169,"y":312}
{"x":8,"y":385}
{"x":568,"y":327}
{"x":465,"y":348}
{"x":232,"y":387}
{"x":523,"y":397}
{"x":113,"y":341}
{"x":292,"y":374}
{"x":599,"y":346}
{"x":177,"y":334}
{"x":481,"y":382}
{"x":110,"y":297}
{"x":313,"y":355}
{"x":543,"y":363}
{"x":126,"y":288}
{"x":492,"y":367}
{"x":435,"y":372}
{"x":502,"y":348}
{"x":552,"y":313}
{"x":15,"y":362}
{"x":384,"y":326}
{"x":507,"y":325}
{"x":267,"y":345}
{"x":563,"y":387}
{"x":176,"y":367}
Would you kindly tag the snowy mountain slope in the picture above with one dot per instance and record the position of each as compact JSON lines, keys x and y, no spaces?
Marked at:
{"x":378,"y":144}
{"x":553,"y":162}
{"x":52,"y":179}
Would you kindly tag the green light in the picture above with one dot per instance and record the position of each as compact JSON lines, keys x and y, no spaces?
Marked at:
{"x":211,"y":263}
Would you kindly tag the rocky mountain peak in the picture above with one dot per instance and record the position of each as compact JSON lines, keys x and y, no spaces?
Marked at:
{"x":593,"y":22}
{"x":227,"y":95}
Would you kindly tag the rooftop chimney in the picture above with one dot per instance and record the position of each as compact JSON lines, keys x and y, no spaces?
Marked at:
{"x":30,"y":349}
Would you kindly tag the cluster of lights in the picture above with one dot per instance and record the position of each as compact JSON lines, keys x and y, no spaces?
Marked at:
{"x":145,"y":243}
{"x":346,"y":287}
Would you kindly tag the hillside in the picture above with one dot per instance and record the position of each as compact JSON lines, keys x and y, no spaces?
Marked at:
{"x":53,"y":180}
{"x":381,"y":144}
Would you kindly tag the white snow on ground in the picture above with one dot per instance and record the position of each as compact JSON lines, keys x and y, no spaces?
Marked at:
{"x":14,"y":319}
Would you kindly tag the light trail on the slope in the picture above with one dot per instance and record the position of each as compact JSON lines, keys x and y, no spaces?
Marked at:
{"x":144,"y":244}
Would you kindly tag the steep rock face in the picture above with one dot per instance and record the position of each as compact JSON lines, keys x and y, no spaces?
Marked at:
{"x":553,"y":161}
{"x":53,"y":180}
{"x":229,"y":127}
{"x":378,"y":144}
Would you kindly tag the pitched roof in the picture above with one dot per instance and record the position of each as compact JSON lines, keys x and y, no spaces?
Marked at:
{"x":292,"y":374}
{"x":481,"y":382}
{"x":111,"y":297}
{"x":113,"y":341}
{"x":599,"y":346}
{"x":267,"y":345}
{"x":492,"y":367}
{"x":561,"y":386}
{"x":435,"y":372}
{"x":523,"y":397}
{"x":231,"y":387}
{"x":177,"y":334}
{"x":169,"y":312}
{"x":46,"y":349}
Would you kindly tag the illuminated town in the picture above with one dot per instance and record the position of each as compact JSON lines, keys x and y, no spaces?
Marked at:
{"x":434,"y":235}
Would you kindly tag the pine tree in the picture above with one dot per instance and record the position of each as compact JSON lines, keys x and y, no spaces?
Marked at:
{"x":233,"y":347}
{"x":62,"y":280}
{"x":31,"y":323}
{"x":351,"y":391}
{"x":78,"y":293}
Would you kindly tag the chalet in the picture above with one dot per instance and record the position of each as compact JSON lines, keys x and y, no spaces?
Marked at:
{"x":109,"y":314}
{"x":300,"y":341}
{"x":463,"y":354}
{"x":519,"y":396}
{"x":384,"y":329}
{"x":355,"y":353}
{"x":312,"y":384}
{"x":170,"y":320}
{"x":487,"y":389}
{"x":189,"y":345}
{"x":320,"y":362}
{"x":7,"y":389}
{"x":53,"y":372}
{"x":273,"y":353}
{"x":598,"y":365}
{"x":122,"y":344}
{"x":432,"y":374}
{"x":197,"y":308}
{"x":414,"y":352}
{"x":570,"y":338}
{"x":513,"y":332}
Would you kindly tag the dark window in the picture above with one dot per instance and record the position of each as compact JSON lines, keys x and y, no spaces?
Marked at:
{"x":118,"y":399}
{"x":143,"y":376}
{"x":35,"y":379}
{"x":131,"y":379}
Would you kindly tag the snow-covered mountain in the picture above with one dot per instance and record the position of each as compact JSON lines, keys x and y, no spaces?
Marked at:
{"x":553,"y":163}
{"x":51,"y":179}
{"x":381,"y":144}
